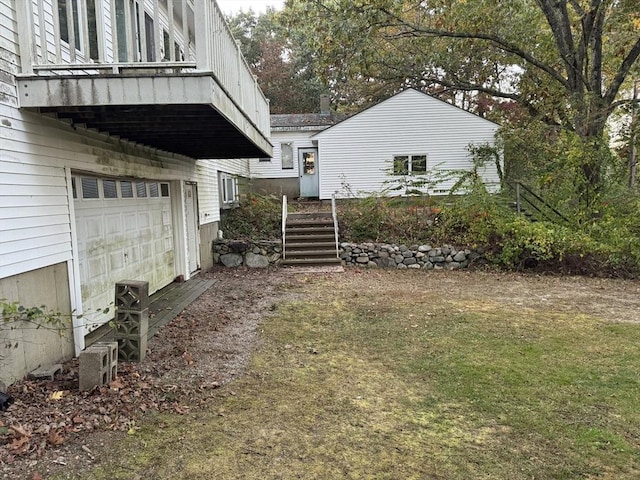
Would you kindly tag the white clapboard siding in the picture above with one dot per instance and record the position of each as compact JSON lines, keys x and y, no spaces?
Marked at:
{"x":355,"y":156}
{"x":234,"y":166}
{"x":273,"y":168}
{"x":8,"y":54}
{"x":35,"y":223}
{"x":208,"y":200}
{"x":34,"y":209}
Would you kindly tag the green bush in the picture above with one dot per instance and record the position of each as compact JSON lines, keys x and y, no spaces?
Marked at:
{"x":257,"y":217}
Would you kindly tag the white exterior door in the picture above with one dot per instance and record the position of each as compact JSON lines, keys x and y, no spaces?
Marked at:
{"x":124,"y":232}
{"x":308,"y":168}
{"x":190,"y":205}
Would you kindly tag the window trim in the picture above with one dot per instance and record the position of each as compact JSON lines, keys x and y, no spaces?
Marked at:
{"x":225,"y":179}
{"x":289,"y":146}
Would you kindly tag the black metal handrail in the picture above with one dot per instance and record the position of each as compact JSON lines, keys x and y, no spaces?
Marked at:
{"x":540,"y":205}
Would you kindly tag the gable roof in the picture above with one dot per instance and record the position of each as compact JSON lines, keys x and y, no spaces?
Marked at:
{"x":304,"y":121}
{"x":407,"y":91}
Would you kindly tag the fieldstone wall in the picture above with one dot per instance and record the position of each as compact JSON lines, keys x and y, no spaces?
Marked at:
{"x":253,"y":254}
{"x":384,"y":255}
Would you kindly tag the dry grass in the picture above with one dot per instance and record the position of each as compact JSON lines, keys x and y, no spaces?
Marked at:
{"x":401,"y":375}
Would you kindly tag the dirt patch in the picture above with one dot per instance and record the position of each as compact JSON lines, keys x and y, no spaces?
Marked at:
{"x":52,"y":429}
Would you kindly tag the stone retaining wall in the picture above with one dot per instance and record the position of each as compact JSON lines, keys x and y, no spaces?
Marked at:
{"x":400,"y":256}
{"x":262,"y":254}
{"x":254,"y":254}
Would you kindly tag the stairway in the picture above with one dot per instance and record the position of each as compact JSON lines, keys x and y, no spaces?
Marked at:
{"x":310,"y":240}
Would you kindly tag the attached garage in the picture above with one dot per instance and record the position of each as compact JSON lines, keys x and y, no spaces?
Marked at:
{"x":124,"y":232}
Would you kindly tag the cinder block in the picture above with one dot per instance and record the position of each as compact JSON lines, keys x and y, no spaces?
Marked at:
{"x":131,"y":331}
{"x":47,"y":372}
{"x":113,"y":357}
{"x":95,"y":367}
{"x":132,"y":295}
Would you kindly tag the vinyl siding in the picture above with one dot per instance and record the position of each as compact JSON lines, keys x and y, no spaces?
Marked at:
{"x":208,"y":196}
{"x":234,"y":166}
{"x":273,"y":168}
{"x":355,"y":156}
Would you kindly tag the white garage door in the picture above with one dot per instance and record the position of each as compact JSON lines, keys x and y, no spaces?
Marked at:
{"x":124,"y":233}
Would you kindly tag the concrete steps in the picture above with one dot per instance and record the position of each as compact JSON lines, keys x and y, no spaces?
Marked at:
{"x":310,"y":240}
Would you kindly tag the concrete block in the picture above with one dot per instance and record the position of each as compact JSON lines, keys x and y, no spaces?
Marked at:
{"x":94,"y":367}
{"x":132,"y":295}
{"x":113,"y":357}
{"x":46,"y":372}
{"x":131,"y":331}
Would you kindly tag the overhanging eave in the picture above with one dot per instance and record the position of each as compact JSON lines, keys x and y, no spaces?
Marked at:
{"x":188,"y":114}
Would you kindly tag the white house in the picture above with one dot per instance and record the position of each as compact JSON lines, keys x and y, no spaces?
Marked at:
{"x":411,"y":137}
{"x":112,"y":113}
{"x":293,"y":166}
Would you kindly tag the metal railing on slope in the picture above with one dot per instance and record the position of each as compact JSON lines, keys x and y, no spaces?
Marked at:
{"x":529,"y":201}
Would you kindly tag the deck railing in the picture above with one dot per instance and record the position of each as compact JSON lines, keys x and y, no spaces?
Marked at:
{"x":91,"y":37}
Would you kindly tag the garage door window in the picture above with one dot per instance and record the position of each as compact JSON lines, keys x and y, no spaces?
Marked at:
{"x":109,"y":187}
{"x":90,"y":188}
{"x":126,"y":189}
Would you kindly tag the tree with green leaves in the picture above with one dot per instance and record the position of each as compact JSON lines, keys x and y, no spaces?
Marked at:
{"x":564,"y":63}
{"x":286,"y":77}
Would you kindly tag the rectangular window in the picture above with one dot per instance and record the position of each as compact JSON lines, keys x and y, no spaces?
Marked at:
{"x":166,"y":46}
{"x":141,"y":189}
{"x":149,"y":33}
{"x":409,"y":164}
{"x":309,"y":163}
{"x":153,"y":189}
{"x":286,"y":154}
{"x":264,"y":159}
{"x":126,"y":189}
{"x":419,"y":164}
{"x":68,"y":10}
{"x":74,"y":190}
{"x":121,"y":28}
{"x":164,"y":189}
{"x":229,"y":188}
{"x":90,"y":188}
{"x":109,"y":189}
{"x":92,"y":29}
{"x":401,"y":165}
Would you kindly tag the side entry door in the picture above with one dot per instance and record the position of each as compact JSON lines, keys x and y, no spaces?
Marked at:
{"x":308,"y":168}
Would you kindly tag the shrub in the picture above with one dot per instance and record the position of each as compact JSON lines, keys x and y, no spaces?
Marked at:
{"x":257,"y":217}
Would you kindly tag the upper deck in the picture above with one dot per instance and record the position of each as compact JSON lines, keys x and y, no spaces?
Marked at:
{"x":163,"y":73}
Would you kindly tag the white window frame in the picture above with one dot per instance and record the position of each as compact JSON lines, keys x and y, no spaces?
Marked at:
{"x":410,"y":161}
{"x":228,"y":189}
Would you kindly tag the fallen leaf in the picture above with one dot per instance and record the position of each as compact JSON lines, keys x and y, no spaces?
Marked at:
{"x":19,"y":431}
{"x":37,"y":476}
{"x":57,"y":395}
{"x":55,"y":438}
{"x":19,"y":445}
{"x":116,"y":384}
{"x":187,"y":358}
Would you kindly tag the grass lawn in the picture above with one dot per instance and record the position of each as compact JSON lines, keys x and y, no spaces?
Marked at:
{"x":412,"y":375}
